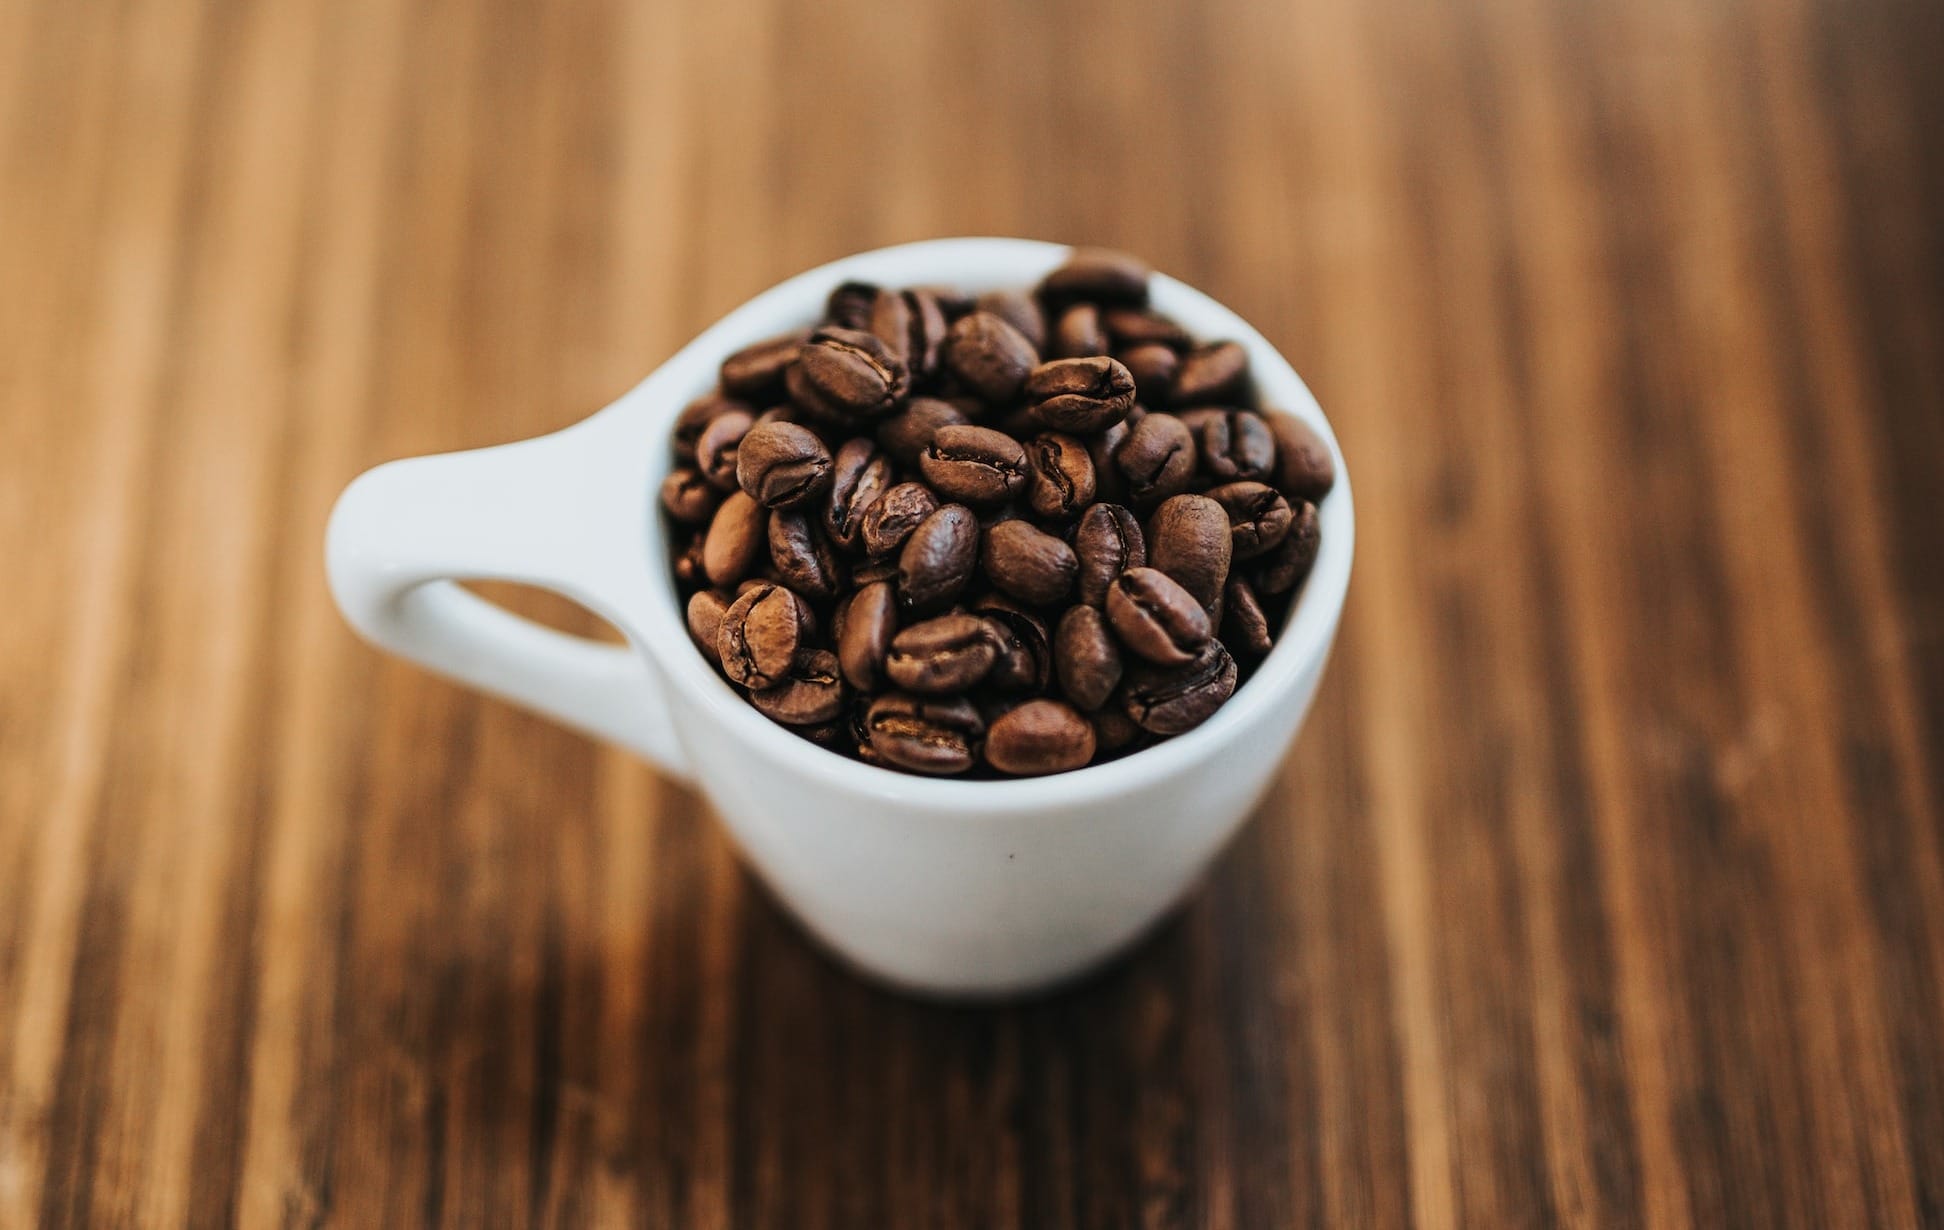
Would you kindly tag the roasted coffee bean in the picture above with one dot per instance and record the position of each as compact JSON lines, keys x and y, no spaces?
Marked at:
{"x":1153,"y":368}
{"x":717,"y":447}
{"x":783,"y":465}
{"x":695,"y":417}
{"x":833,"y":736}
{"x":1157,"y":459}
{"x":1155,"y":617}
{"x":1167,"y":700}
{"x":908,"y":433}
{"x":1079,"y":333}
{"x":1040,"y":736}
{"x":1289,"y":564}
{"x":1190,"y":539}
{"x":950,"y":299}
{"x":1107,"y":542}
{"x":1021,"y":311}
{"x":1025,"y":652}
{"x":938,"y":559}
{"x":803,"y":556}
{"x":687,"y":567}
{"x":1259,"y":517}
{"x":949,"y":654}
{"x":1099,"y":274}
{"x":849,"y":306}
{"x":924,"y":734}
{"x":871,"y":570}
{"x":756,"y":372}
{"x":1109,"y":483}
{"x":736,"y":539}
{"x":1114,"y":731}
{"x":1245,"y":627}
{"x":1305,"y":470}
{"x":860,"y":475}
{"x":975,"y":465}
{"x":889,"y":521}
{"x":864,"y":640}
{"x":1063,"y":476}
{"x":848,"y":374}
{"x":688,"y":498}
{"x":1236,"y":445}
{"x":811,"y":693}
{"x":912,"y":326}
{"x":990,"y":356}
{"x":1211,"y":373}
{"x":1080,"y":395}
{"x":705,"y":610}
{"x":1086,"y":657}
{"x":759,"y":637}
{"x":1029,"y":563}
{"x":1136,"y":327}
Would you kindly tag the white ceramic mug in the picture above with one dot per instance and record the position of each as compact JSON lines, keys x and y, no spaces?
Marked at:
{"x":943,"y":886}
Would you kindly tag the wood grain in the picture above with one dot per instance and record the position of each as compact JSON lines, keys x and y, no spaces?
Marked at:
{"x":1604,"y":889}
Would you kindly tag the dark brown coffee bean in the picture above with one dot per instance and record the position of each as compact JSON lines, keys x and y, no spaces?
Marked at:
{"x":1153,"y":368}
{"x":810,"y":694}
{"x":831,"y":736}
{"x":938,"y":559}
{"x":975,"y":465}
{"x":1168,"y":700}
{"x":1025,"y":652}
{"x":1245,"y":627}
{"x":1107,"y":542}
{"x":1099,"y":274}
{"x":1114,"y":731}
{"x":717,"y":447}
{"x":848,"y":374}
{"x":783,"y":465}
{"x":756,"y":372}
{"x":890,"y":520}
{"x":1080,"y":395}
{"x":759,"y":637}
{"x":1211,"y":373}
{"x":1028,"y":563}
{"x":705,"y":610}
{"x":1086,"y":657}
{"x":687,"y":567}
{"x":912,"y":326}
{"x":924,"y":734}
{"x":860,"y":475}
{"x":950,"y":299}
{"x":688,"y":498}
{"x":803,"y":556}
{"x":1236,"y":445}
{"x":1259,"y":517}
{"x":873,"y":570}
{"x":695,"y":417}
{"x":949,"y":654}
{"x":849,"y":306}
{"x":990,"y":356}
{"x":1079,"y":333}
{"x":1305,"y":470}
{"x":1157,"y":459}
{"x":1019,"y":310}
{"x":864,"y":640}
{"x":1109,"y":483}
{"x":1132,"y":327}
{"x":1155,"y":617}
{"x":1063,"y":476}
{"x":908,"y":433}
{"x":1189,"y":538}
{"x":1040,"y":736}
{"x":737,"y":535}
{"x":1289,"y":564}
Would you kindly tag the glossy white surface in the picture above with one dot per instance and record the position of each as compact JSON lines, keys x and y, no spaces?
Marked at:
{"x":942,"y":886}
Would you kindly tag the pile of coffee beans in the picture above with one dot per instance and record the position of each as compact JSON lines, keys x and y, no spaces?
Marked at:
{"x":1016,"y":533}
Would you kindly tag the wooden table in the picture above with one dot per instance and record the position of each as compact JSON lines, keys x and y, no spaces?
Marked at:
{"x":1603,"y":889}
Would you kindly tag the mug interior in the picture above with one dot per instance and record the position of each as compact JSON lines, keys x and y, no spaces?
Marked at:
{"x":974,"y":264}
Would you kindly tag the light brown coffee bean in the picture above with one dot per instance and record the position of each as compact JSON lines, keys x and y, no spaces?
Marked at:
{"x":1259,"y":517}
{"x":1028,"y":563}
{"x":1038,"y":737}
{"x":848,"y":374}
{"x":1305,"y":470}
{"x":811,"y":693}
{"x":889,"y":521}
{"x":864,"y":640}
{"x":924,"y":734}
{"x":1086,"y":657}
{"x":705,"y":611}
{"x":1107,"y":542}
{"x":1189,"y":538}
{"x":783,"y":465}
{"x":1079,"y":333}
{"x":1156,"y":618}
{"x":759,"y":637}
{"x":688,"y":498}
{"x":990,"y":356}
{"x":716,"y":448}
{"x":949,"y":654}
{"x":975,"y":465}
{"x":695,"y":417}
{"x":737,"y":536}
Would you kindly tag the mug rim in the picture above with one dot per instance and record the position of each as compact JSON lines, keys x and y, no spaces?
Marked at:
{"x":975,"y":263}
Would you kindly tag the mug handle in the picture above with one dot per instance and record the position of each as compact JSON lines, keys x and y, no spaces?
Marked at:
{"x":404,"y":534}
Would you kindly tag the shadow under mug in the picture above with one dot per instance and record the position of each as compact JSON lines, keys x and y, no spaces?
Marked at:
{"x":962,"y":888}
